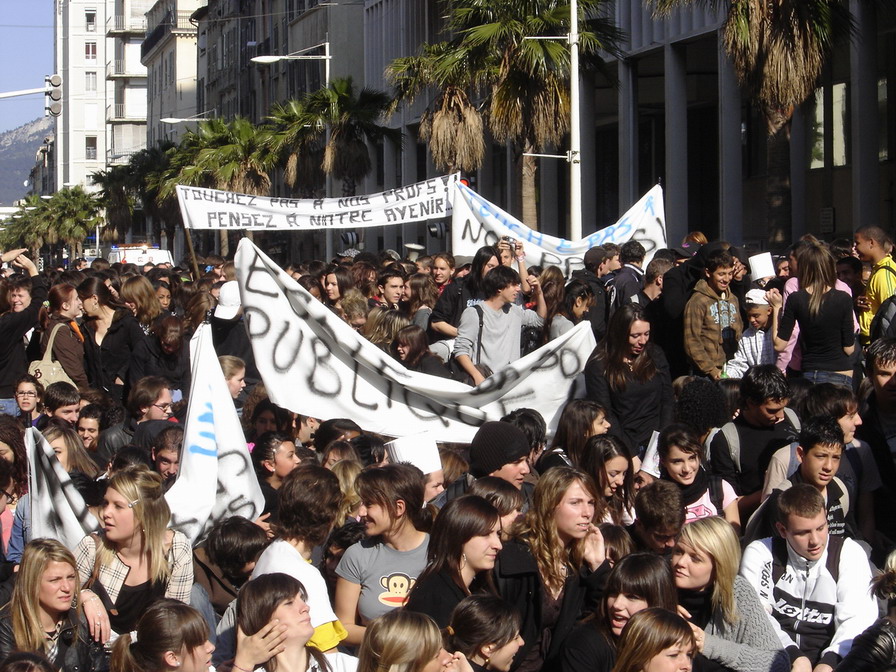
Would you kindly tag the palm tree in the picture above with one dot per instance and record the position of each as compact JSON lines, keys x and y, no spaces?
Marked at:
{"x":778,"y":50}
{"x":525,"y":81}
{"x":451,"y":125}
{"x":353,"y":120}
{"x":293,"y":134}
{"x":75,"y":214}
{"x":117,"y":197}
{"x":29,"y":227}
{"x":148,"y":168}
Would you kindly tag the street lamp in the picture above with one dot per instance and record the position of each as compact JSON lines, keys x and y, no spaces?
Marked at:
{"x":300,"y":55}
{"x":179,"y":120}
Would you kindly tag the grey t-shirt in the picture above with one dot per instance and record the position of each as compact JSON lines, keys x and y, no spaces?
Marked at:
{"x":385,"y":575}
{"x":501,"y":331}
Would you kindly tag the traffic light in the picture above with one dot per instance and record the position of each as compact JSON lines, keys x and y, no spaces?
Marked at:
{"x":52,"y":95}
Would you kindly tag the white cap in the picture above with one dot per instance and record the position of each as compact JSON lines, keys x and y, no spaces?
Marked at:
{"x":417,"y":449}
{"x":756,"y":297}
{"x":228,"y":301}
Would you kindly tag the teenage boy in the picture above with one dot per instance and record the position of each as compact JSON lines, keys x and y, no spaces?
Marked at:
{"x":756,"y":346}
{"x":149,"y":399}
{"x":712,"y":324}
{"x":873,"y":244}
{"x":659,"y":517}
{"x":814,"y":586}
{"x":630,"y":278}
{"x":595,"y":261}
{"x":61,"y":401}
{"x":489,"y":333}
{"x":390,"y":285}
{"x":820,"y":452}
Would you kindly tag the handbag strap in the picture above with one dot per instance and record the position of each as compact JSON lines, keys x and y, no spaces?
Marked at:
{"x":48,"y":353}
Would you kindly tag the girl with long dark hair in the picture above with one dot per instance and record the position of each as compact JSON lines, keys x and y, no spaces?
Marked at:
{"x":463,"y":293}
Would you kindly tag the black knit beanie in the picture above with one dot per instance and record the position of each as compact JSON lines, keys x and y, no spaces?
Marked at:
{"x":496,"y":444}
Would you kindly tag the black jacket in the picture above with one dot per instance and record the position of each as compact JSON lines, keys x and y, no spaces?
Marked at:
{"x":872,"y":433}
{"x":231,"y":337}
{"x":872,"y":651}
{"x":599,"y":312}
{"x":74,"y":652}
{"x":455,"y":298}
{"x":13,"y":327}
{"x":148,"y":359}
{"x":519,"y":583}
{"x":436,"y":596}
{"x":111,"y":359}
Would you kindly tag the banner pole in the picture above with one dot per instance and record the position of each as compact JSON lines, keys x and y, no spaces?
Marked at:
{"x":189,"y":237}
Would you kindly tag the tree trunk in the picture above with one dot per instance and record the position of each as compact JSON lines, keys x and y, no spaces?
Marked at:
{"x":528,"y":188}
{"x":225,"y":244}
{"x":777,"y":187}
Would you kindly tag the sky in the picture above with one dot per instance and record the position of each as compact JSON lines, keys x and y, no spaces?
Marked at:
{"x":26,"y":55}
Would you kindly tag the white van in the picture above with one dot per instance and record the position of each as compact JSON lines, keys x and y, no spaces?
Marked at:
{"x":139,"y":255}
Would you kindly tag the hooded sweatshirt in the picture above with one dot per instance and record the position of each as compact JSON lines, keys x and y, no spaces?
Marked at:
{"x":712,"y":328}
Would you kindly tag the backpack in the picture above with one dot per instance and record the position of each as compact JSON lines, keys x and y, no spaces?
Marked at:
{"x":729,"y":431}
{"x":883,"y":325}
{"x":457,"y":371}
{"x":716,"y":493}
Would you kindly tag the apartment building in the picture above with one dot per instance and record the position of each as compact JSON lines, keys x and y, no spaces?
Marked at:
{"x":126,"y":77}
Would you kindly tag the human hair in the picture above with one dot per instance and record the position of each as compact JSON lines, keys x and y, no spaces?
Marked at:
{"x":881,"y":351}
{"x":414,"y":339}
{"x":854,"y":264}
{"x":169,"y":330}
{"x":234,"y":542}
{"x":198,"y":309}
{"x":57,"y":296}
{"x":170,"y":438}
{"x":616,"y":348}
{"x":386,"y":644}
{"x":424,"y":292}
{"x":598,"y":451}
{"x":91,"y":412}
{"x":167,"y":625}
{"x":539,"y":528}
{"x":763,"y":382}
{"x":575,"y":290}
{"x":31,"y":380}
{"x":481,"y":620}
{"x":96,"y":287}
{"x":265,"y":450}
{"x":821,"y":431}
{"x":646,"y":575}
{"x":659,"y":506}
{"x":594,"y":258}
{"x":24,"y":606}
{"x":498,"y":279}
{"x":531,"y":423}
{"x":27,"y":661}
{"x":617,"y":541}
{"x":145,"y":392}
{"x":730,"y":388}
{"x":883,"y":586}
{"x":145,"y":493}
{"x":391,"y":483}
{"x":333,"y":429}
{"x":657,"y":268}
{"x":281,"y":416}
{"x":719,"y":258}
{"x":308,"y":501}
{"x":347,"y":472}
{"x":877,"y":234}
{"x":802,"y":500}
{"x":715,"y":537}
{"x":459,"y":521}
{"x":816,"y":272}
{"x":575,"y":428}
{"x":130,"y":456}
{"x":383,"y":324}
{"x":477,"y":270}
{"x":447,"y":257}
{"x":343,"y":450}
{"x":828,"y":400}
{"x":138,"y":290}
{"x":230,"y":365}
{"x":632,"y":252}
{"x":389,"y":272}
{"x":505,"y":497}
{"x":701,"y":404}
{"x":454,"y":465}
{"x":13,"y":435}
{"x":362,"y":272}
{"x":681,"y":436}
{"x":60,"y":394}
{"x":612,"y":249}
{"x":647,"y":634}
{"x":77,"y":458}
{"x":344,"y":280}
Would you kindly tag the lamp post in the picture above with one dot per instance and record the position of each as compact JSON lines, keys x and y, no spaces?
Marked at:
{"x":201,"y":116}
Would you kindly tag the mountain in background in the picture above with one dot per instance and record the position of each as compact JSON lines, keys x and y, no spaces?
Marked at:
{"x":17,"y":153}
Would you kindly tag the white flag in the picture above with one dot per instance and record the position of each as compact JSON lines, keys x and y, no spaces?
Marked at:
{"x":57,"y":509}
{"x":216,"y":479}
{"x":315,"y":364}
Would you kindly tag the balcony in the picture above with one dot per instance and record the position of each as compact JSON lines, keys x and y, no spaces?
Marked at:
{"x":125,"y":25}
{"x":118,"y":157}
{"x":120,"y":68}
{"x":172,"y":22}
{"x":121,"y":113}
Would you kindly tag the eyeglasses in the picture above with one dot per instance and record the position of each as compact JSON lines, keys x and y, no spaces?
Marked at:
{"x":26,"y":394}
{"x":163,"y":407}
{"x":9,"y":496}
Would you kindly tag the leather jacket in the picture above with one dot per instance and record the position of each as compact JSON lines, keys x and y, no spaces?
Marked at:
{"x":874,"y":650}
{"x":74,"y":650}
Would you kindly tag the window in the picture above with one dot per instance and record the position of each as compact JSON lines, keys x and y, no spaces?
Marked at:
{"x":90,"y":20}
{"x":90,"y":81}
{"x":90,"y":51}
{"x":90,"y":147}
{"x":828,"y":127}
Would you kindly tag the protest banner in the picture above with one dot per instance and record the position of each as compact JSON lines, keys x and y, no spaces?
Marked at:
{"x":216,"y":479}
{"x":212,"y":209}
{"x":315,"y":364}
{"x":58,"y":510}
{"x":476,"y":222}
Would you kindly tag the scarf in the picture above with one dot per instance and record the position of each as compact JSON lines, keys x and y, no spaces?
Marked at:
{"x":691,"y":493}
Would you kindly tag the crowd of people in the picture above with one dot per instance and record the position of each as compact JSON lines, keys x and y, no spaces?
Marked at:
{"x":720,"y":499}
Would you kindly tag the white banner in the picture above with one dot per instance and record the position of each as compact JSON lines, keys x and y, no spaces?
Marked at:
{"x":315,"y":364}
{"x":477,"y":222}
{"x":214,"y":209}
{"x":216,"y":479}
{"x":57,"y":509}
